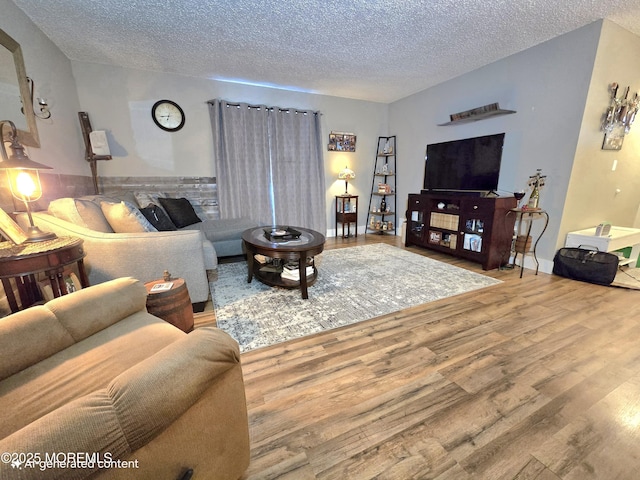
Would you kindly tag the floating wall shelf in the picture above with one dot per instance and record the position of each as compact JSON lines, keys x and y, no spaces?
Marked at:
{"x":473,"y":115}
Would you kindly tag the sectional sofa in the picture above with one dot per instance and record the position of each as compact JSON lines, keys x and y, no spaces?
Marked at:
{"x":123,"y":239}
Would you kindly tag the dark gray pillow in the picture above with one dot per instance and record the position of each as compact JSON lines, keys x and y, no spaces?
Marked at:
{"x":180,"y":211}
{"x":158,"y":218}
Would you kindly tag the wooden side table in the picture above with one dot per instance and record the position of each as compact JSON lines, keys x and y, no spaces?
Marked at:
{"x":347,"y":213}
{"x":23,"y":262}
{"x":173,"y":305}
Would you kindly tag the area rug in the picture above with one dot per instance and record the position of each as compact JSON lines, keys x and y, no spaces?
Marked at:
{"x":353,"y":284}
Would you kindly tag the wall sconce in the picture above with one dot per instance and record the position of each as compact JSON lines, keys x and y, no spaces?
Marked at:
{"x":20,"y":173}
{"x":618,"y":118}
{"x":346,"y":174}
{"x":43,"y":106}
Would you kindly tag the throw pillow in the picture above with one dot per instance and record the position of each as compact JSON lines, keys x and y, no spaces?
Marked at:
{"x":125,"y":196}
{"x":158,"y":218}
{"x":93,"y":216}
{"x":100,"y":198}
{"x":83,"y":213}
{"x":145,"y":198}
{"x":125,"y":218}
{"x":180,"y":211}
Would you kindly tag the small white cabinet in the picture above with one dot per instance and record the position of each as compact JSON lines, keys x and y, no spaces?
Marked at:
{"x":618,"y":238}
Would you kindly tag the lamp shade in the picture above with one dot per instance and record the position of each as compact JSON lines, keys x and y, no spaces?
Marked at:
{"x":17,"y":165}
{"x":23,"y":185}
{"x":18,"y":158}
{"x":346,"y":174}
{"x":24,"y":163}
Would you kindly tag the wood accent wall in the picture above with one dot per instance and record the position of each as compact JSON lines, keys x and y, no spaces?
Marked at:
{"x":202,"y":192}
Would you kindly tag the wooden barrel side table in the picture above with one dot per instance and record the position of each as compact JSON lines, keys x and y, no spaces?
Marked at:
{"x":172,"y":305}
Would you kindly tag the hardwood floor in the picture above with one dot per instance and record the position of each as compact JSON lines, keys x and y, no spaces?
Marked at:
{"x":535,"y":378}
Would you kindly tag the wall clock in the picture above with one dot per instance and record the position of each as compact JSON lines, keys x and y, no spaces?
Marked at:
{"x":167,"y":115}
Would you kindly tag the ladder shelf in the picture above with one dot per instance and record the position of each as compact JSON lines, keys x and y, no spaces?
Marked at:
{"x":381,"y":215}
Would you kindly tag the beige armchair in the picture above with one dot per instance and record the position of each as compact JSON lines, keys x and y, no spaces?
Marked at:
{"x":93,"y":373}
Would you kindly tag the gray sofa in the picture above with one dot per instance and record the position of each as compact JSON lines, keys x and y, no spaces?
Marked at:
{"x":120,"y":242}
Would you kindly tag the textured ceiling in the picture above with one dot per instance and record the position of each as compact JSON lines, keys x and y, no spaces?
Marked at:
{"x":378,"y":50}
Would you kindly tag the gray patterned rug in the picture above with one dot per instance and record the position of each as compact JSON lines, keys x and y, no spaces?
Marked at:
{"x":354,"y":284}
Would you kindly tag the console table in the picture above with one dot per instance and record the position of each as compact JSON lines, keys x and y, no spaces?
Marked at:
{"x":23,"y":262}
{"x":617,"y":239}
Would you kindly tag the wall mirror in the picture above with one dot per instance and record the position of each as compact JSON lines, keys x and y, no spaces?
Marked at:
{"x":14,"y":92}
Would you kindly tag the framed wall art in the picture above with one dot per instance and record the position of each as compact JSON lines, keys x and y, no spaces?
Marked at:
{"x":342,"y":142}
{"x":613,"y":139}
{"x":10,"y":229}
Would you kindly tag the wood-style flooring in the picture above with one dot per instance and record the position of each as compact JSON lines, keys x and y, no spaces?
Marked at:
{"x":535,"y":378}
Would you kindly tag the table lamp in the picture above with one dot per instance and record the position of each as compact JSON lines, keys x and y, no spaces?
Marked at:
{"x":24,"y":179}
{"x":346,"y":174}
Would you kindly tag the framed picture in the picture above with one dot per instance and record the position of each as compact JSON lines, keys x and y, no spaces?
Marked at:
{"x":72,"y":281}
{"x":46,"y":292}
{"x":10,"y":229}
{"x":342,"y":142}
{"x":613,"y":139}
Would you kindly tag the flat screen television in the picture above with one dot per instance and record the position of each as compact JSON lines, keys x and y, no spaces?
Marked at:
{"x":470,"y":164}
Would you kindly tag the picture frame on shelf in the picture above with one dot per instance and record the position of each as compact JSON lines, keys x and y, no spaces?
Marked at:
{"x":11,"y":230}
{"x":72,"y":281}
{"x":46,"y":292}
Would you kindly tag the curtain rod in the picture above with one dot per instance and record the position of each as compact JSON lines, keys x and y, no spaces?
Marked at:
{"x":258,"y":107}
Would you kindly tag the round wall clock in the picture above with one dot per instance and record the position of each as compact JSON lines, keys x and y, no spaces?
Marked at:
{"x":167,"y":115}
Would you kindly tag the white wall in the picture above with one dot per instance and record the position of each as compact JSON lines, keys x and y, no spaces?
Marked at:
{"x":61,"y":145}
{"x":547,"y":86}
{"x":592,"y":196}
{"x":119,"y":100}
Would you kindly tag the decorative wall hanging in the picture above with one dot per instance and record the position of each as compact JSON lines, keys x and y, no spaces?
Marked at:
{"x":475,"y":114}
{"x":536,"y":182}
{"x":342,"y":142}
{"x":618,"y":118}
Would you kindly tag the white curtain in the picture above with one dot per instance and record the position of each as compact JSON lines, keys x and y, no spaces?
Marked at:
{"x":269,"y":164}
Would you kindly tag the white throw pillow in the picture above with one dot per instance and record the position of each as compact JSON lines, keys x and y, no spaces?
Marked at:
{"x":125,"y":218}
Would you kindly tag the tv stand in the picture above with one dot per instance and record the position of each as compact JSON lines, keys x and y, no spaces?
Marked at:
{"x":472,"y":227}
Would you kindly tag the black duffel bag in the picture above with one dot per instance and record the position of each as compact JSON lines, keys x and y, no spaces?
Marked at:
{"x":586,"y":265}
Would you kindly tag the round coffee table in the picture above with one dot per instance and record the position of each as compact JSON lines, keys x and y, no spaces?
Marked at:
{"x":300,"y":250}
